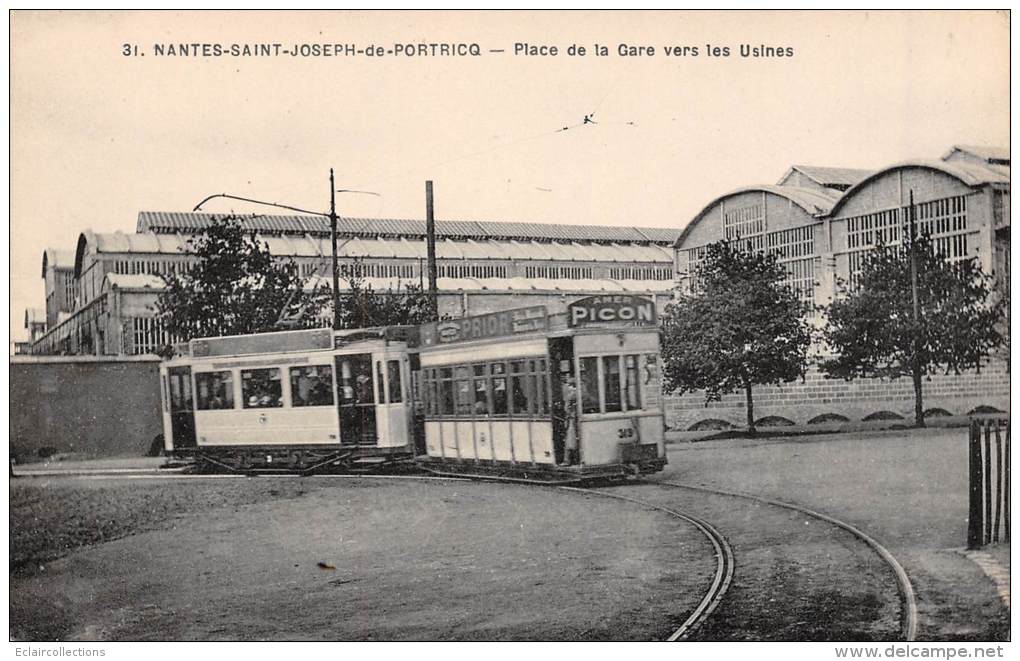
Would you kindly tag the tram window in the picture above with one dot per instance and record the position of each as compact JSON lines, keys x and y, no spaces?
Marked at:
{"x":481,"y":391}
{"x":393,"y":372}
{"x":311,"y":385}
{"x":541,"y":398}
{"x":261,"y":388}
{"x":499,"y":394}
{"x":431,"y":393}
{"x":215,"y":390}
{"x":446,"y":391}
{"x":380,"y":384}
{"x":465,"y":405}
{"x":632,"y":382}
{"x":611,"y":379}
{"x":356,"y":379}
{"x":522,"y":388}
{"x":590,"y":385}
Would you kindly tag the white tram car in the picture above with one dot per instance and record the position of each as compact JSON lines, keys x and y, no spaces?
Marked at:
{"x":298,"y":400}
{"x":523,"y":394}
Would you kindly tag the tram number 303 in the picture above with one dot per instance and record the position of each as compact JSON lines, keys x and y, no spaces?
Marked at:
{"x":625,"y":432}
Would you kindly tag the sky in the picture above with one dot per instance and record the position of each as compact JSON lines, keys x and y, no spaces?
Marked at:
{"x":97,"y":136}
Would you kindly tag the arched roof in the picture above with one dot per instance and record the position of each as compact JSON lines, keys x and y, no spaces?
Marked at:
{"x":125,"y":243}
{"x":970,"y":174}
{"x":60,"y":259}
{"x":813,"y":202}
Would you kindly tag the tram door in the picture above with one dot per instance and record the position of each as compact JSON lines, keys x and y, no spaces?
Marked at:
{"x":182,"y":407}
{"x":357,"y":399}
{"x":564,"y":403}
{"x":417,"y":406}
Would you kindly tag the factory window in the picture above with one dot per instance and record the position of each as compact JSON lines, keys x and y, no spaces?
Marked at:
{"x":800,"y":277}
{"x":149,"y":335}
{"x":792,"y":243}
{"x":215,"y":390}
{"x":745,"y":224}
{"x":945,"y":220}
{"x":371,"y":270}
{"x":559,"y":272}
{"x":261,"y":388}
{"x":472,"y":271}
{"x":640,"y":273}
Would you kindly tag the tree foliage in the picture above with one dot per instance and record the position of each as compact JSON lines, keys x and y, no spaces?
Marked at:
{"x":363,"y":307}
{"x":872,"y":330}
{"x":740,"y":326}
{"x":234,"y":286}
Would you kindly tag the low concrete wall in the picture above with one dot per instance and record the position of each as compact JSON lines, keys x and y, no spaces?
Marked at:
{"x":87,"y":405}
{"x":817,"y":399}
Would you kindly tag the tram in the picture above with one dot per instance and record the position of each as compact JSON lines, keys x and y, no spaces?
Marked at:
{"x":293,"y":400}
{"x":524,"y":394}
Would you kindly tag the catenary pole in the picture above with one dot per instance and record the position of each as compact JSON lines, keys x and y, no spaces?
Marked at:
{"x":332,"y":236}
{"x":430,"y":239}
{"x":915,"y":294}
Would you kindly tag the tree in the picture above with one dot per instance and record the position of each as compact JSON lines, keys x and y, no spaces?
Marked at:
{"x":739,"y":326}
{"x":363,"y":307}
{"x":872,"y":329}
{"x":234,"y":287}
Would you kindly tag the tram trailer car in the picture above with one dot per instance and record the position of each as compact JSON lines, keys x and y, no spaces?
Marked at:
{"x":562,"y":398}
{"x":292,"y":400}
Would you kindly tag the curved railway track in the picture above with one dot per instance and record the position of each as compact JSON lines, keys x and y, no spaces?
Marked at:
{"x":725,"y":559}
{"x":723,"y":553}
{"x":904,"y":586}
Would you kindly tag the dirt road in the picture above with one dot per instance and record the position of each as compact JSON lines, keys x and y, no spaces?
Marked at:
{"x":404,"y":561}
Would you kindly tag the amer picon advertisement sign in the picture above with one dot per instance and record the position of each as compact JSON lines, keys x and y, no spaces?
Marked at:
{"x":611,"y":309}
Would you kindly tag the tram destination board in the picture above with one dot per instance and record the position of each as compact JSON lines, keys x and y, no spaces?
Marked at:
{"x":495,"y":324}
{"x":611,"y":309}
{"x":300,"y":340}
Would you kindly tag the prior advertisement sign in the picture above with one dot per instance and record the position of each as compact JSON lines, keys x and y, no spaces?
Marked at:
{"x":612,"y":309}
{"x":496,"y":324}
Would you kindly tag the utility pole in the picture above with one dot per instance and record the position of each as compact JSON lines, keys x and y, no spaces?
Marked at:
{"x":332,"y":236}
{"x":430,"y":243}
{"x":915,"y":294}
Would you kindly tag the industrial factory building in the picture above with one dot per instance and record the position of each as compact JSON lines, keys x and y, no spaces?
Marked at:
{"x":101,"y":302}
{"x":821,"y":222}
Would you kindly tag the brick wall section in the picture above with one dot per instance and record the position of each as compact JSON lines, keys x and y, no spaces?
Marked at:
{"x":816,"y":395}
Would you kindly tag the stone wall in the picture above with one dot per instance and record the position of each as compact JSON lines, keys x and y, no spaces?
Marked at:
{"x":87,"y":405}
{"x":817,"y":399}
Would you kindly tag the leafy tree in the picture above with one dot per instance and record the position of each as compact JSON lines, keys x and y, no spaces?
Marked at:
{"x":872,"y":329}
{"x":739,"y":326}
{"x":234,"y":287}
{"x":363,"y":307}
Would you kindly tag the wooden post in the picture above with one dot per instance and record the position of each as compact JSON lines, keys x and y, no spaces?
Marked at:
{"x":998,"y":481}
{"x":974,"y":523}
{"x":1005,"y":469}
{"x":988,"y":480}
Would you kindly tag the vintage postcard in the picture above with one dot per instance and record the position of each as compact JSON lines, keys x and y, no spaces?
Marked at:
{"x":558,"y":326}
